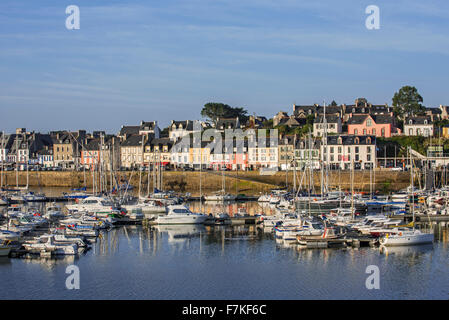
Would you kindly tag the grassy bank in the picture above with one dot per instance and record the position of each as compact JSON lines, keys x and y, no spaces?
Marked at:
{"x":249,"y":183}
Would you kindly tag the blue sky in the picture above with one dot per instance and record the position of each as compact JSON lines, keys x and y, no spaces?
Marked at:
{"x":161,"y":60}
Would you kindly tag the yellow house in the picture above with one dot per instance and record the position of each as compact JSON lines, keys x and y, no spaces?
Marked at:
{"x":445,"y":132}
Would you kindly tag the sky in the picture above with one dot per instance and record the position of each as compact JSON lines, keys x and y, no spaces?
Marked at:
{"x":134,"y":60}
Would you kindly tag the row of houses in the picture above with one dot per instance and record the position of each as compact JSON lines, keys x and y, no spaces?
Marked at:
{"x":351,"y":132}
{"x":144,"y":145}
{"x":361,"y":118}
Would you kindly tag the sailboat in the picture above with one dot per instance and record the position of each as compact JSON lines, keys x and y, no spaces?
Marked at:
{"x":221,"y":195}
{"x":407,"y":236}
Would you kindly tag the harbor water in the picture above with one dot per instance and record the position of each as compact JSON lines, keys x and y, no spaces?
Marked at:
{"x":224,"y":262}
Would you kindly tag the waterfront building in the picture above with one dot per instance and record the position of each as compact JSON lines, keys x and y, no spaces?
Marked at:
{"x":307,"y":154}
{"x":158,"y":151}
{"x":67,"y":148}
{"x":286,"y":150}
{"x":45,"y":158}
{"x":132,"y":149}
{"x":334,"y":125}
{"x":418,"y":126}
{"x":370,"y":124}
{"x":200,"y":155}
{"x":344,"y":151}
{"x":263,"y":154}
{"x":101,"y":149}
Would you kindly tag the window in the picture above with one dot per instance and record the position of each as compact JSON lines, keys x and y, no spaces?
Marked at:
{"x":383,"y":132}
{"x":368,"y":123}
{"x":356,"y":157}
{"x":374,"y":132}
{"x":339,"y":149}
{"x":368,"y":157}
{"x":332,"y":149}
{"x":364,"y":131}
{"x":356,"y":149}
{"x":410,"y":132}
{"x":332,"y":158}
{"x":356,"y":131}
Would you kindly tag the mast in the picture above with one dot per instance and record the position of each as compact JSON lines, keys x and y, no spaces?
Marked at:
{"x":26,"y":160}
{"x":201,"y":170}
{"x":413,"y":193}
{"x":140,"y":167}
{"x":324,"y":169}
{"x":17,"y":162}
{"x":3,"y":155}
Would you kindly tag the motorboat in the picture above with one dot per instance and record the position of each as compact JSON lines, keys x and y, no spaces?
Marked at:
{"x":96,"y":205}
{"x":264,"y":198}
{"x":9,"y":235}
{"x":148,"y":206}
{"x":4,"y":201}
{"x":63,"y":239}
{"x":51,"y":245}
{"x":33,"y":197}
{"x":179,"y":214}
{"x":5,"y":249}
{"x":54,"y":212}
{"x":220,"y":197}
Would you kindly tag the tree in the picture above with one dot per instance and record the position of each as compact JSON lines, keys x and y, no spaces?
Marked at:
{"x":407,"y":102}
{"x":215,"y":110}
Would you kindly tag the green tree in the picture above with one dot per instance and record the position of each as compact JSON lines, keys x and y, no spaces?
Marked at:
{"x":215,"y":110}
{"x":407,"y":101}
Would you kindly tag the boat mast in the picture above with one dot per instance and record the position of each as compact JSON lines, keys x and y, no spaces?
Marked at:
{"x":413,"y":193}
{"x":3,"y":155}
{"x":140,"y":167}
{"x":201,"y":167}
{"x":324,"y":169}
{"x":26,"y":164}
{"x":17,"y":162}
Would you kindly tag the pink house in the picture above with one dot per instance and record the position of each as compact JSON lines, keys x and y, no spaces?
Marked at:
{"x":376,"y":125}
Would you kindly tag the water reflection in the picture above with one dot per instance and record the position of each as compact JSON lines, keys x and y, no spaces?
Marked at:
{"x":250,"y":207}
{"x":409,"y":251}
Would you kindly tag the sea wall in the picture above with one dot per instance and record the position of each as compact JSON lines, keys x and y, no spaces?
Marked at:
{"x":249,"y":183}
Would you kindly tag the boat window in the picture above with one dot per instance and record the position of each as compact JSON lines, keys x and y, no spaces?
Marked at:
{"x":181,"y":211}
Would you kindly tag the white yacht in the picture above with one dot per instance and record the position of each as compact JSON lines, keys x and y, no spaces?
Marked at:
{"x":179,"y":214}
{"x":54,"y":212}
{"x":405,"y":237}
{"x":51,"y":245}
{"x":220,"y":197}
{"x":4,"y":250}
{"x":148,"y":206}
{"x":95,"y":205}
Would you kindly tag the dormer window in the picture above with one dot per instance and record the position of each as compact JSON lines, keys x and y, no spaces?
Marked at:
{"x":368,"y":123}
{"x":339,"y":141}
{"x":425,"y":121}
{"x":410,"y":122}
{"x":368,"y":140}
{"x":357,"y":141}
{"x":353,"y":110}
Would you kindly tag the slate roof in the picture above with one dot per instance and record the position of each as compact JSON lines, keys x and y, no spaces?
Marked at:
{"x":330,"y":118}
{"x":378,"y":119}
{"x":350,"y":140}
{"x":417,"y":120}
{"x":129,"y":130}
